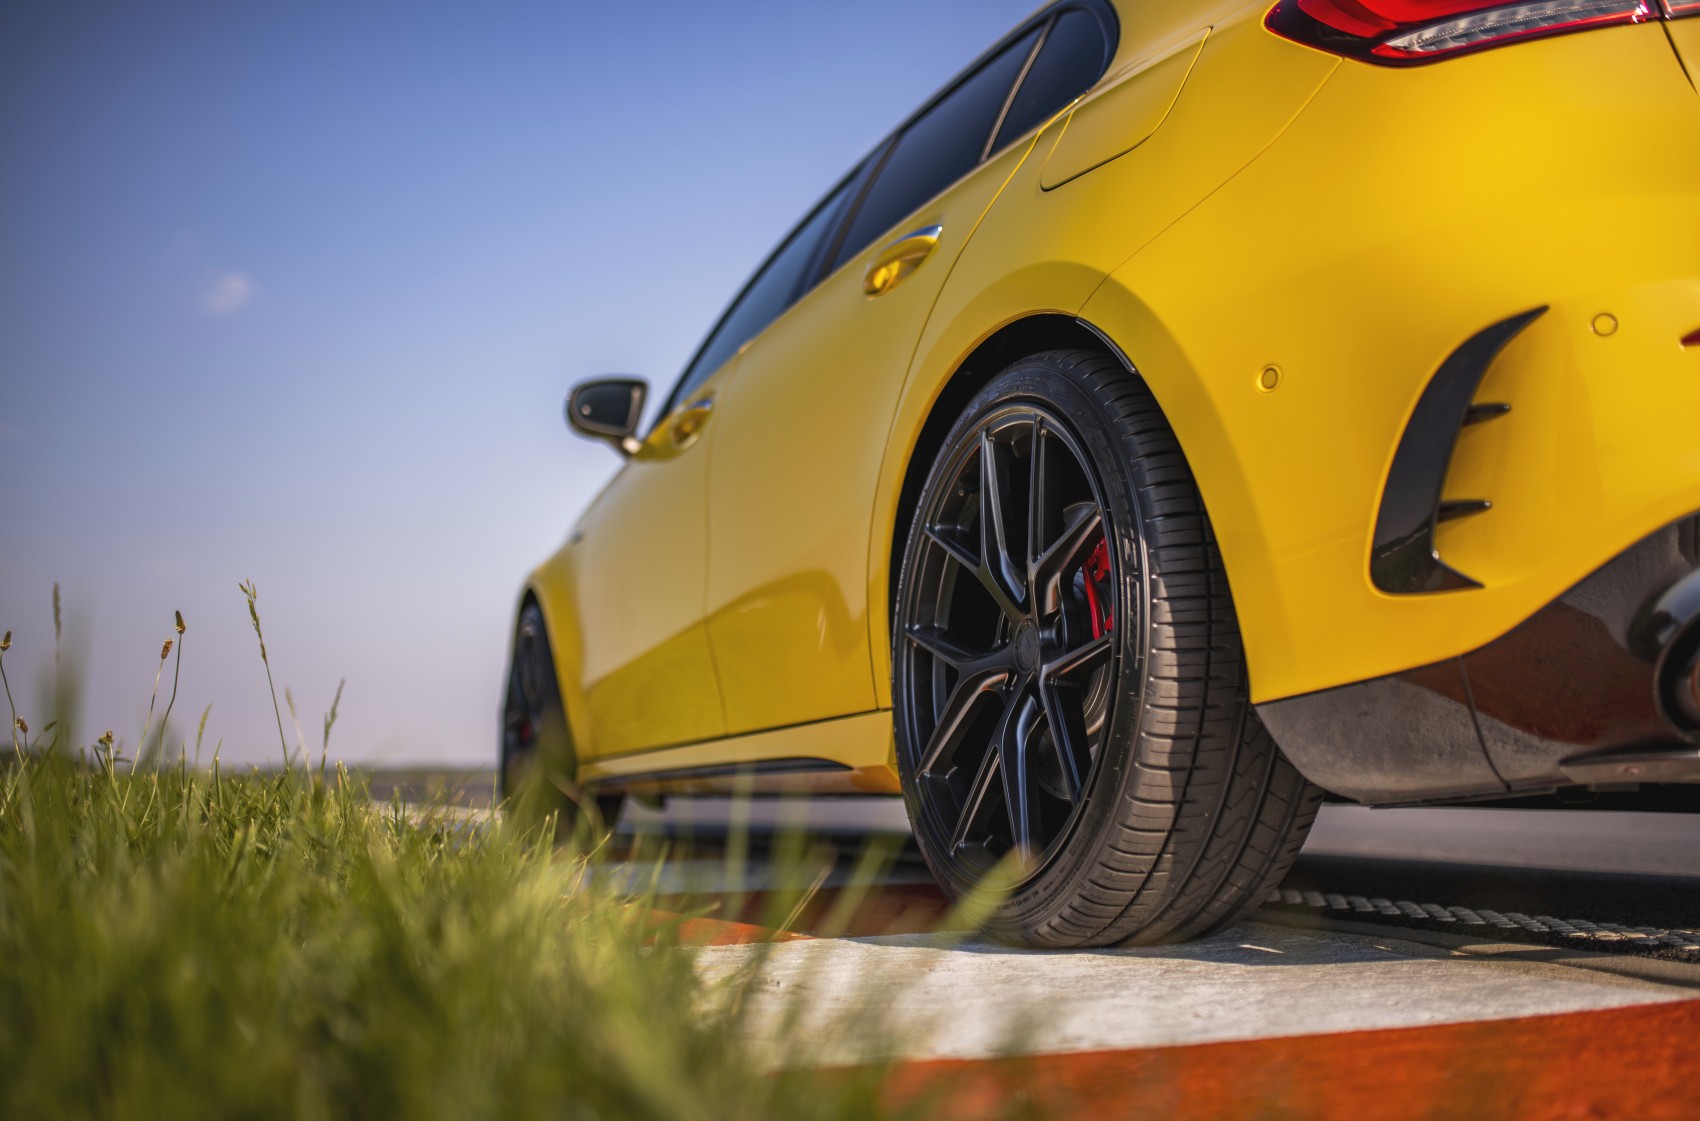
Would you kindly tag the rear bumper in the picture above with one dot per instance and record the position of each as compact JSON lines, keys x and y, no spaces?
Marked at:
{"x":1600,"y":687}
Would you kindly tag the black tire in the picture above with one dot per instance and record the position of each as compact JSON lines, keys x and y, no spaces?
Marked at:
{"x":539,"y":767}
{"x":1162,"y":810}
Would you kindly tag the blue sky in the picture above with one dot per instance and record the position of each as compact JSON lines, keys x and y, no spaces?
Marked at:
{"x":293,"y":292}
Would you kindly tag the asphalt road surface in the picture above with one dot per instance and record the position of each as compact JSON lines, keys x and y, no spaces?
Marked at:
{"x":1609,"y":882}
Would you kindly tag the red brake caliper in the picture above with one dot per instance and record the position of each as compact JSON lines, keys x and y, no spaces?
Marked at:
{"x":1099,"y":602}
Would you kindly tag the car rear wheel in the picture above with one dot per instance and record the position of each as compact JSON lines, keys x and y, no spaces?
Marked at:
{"x":1070,"y":690}
{"x":539,"y":766}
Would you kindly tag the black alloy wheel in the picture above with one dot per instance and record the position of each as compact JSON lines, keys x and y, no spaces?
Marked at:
{"x":538,"y":764}
{"x":1009,"y":638}
{"x":1069,"y":687}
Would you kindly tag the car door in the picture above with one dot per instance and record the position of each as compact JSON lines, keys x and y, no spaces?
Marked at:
{"x":647,"y":673}
{"x":645,"y":670}
{"x":804,"y":426}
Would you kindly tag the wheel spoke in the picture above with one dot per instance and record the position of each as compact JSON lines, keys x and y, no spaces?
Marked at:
{"x":950,"y":540}
{"x":1015,"y":731}
{"x":974,"y":805}
{"x":1068,"y":739}
{"x":1082,"y":657}
{"x":938,"y":642}
{"x":1065,"y":555}
{"x":1041,"y":494}
{"x":999,"y":593}
{"x":1006,"y":575}
{"x":958,"y":715}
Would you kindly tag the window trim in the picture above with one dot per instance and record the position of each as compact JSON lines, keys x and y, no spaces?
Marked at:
{"x":1015,"y":87}
{"x":890,"y":144}
{"x":1110,"y":28}
{"x":834,"y":232}
{"x":870,"y":167}
{"x":1043,"y":20}
{"x":1107,"y":21}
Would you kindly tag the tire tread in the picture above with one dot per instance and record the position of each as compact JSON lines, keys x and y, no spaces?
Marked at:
{"x":1211,"y":814}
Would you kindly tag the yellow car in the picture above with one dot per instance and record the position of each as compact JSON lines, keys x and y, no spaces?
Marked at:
{"x":1192,"y":409}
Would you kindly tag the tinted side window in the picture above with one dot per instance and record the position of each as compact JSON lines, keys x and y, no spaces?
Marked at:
{"x":1073,"y":57}
{"x":766,"y":297}
{"x":938,"y":148}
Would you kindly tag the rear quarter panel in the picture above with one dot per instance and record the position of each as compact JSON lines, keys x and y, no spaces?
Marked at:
{"x":1404,"y":211}
{"x":1042,"y":250}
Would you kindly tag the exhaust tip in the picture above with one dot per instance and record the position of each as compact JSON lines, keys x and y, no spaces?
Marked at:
{"x":1667,"y":634}
{"x":1677,"y":677}
{"x":1687,"y":692}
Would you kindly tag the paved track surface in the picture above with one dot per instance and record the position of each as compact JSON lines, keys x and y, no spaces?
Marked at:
{"x":1419,"y":963}
{"x":1653,"y":844}
{"x":946,"y":997}
{"x":1650,"y":844}
{"x":1635,"y":871}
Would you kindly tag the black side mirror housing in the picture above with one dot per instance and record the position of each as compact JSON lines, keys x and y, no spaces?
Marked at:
{"x":608,"y":409}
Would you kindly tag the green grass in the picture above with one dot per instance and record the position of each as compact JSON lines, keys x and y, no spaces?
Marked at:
{"x":186,"y":943}
{"x":182,"y":944}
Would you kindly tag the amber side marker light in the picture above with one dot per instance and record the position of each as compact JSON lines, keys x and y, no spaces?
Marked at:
{"x":1413,"y":32}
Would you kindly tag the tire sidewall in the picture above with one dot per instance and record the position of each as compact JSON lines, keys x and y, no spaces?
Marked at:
{"x":532,"y":777}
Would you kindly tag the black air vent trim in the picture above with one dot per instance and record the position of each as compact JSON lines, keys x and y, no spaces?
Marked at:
{"x":1403,"y":558}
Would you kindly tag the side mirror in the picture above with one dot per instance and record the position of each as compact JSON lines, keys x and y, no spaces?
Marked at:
{"x":608,"y":409}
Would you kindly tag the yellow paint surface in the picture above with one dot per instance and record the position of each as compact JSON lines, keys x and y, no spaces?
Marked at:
{"x":1223,"y":203}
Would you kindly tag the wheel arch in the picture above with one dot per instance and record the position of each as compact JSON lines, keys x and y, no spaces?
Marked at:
{"x":1016,"y":338}
{"x":550,"y":587}
{"x":1031,"y":334}
{"x":1201,"y":406}
{"x":1116,"y":322}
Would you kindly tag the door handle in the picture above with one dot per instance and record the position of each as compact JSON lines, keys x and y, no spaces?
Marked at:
{"x":893,"y":264}
{"x":687,"y":424}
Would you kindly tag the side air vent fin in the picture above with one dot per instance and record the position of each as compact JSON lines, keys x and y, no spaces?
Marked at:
{"x":1481,"y":414}
{"x":1452,"y":511}
{"x":1403,"y":558}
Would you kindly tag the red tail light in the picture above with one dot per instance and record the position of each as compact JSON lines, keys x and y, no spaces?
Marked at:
{"x":1410,"y":32}
{"x":1676,"y":9}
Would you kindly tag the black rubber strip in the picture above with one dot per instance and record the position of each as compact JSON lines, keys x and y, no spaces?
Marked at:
{"x":1656,"y":969}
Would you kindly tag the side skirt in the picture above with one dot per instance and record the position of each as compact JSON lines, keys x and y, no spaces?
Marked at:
{"x":847,"y":755}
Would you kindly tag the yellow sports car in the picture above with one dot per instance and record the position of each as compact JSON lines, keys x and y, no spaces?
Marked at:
{"x":1193,"y":408}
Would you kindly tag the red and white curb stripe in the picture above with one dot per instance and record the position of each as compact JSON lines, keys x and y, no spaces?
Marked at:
{"x":1259,"y":1021}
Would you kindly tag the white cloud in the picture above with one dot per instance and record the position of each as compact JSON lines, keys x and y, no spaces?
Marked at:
{"x":228,"y":293}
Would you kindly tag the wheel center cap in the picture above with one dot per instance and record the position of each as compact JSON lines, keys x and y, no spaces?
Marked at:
{"x":1026,"y":647}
